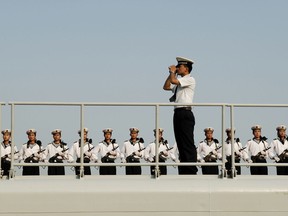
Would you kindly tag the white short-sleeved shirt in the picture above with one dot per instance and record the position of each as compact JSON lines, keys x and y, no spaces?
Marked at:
{"x":277,"y":147}
{"x":150,"y":151}
{"x":253,"y":147}
{"x":185,"y":91}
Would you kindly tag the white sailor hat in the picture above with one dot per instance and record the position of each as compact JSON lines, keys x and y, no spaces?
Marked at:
{"x":107,"y":130}
{"x":85,"y":130}
{"x":31,"y":131}
{"x":281,"y":127}
{"x":256,"y":127}
{"x":229,"y":130}
{"x":134,"y":129}
{"x":160,"y":130}
{"x":209,"y":129}
{"x":56,"y":131}
{"x":6,"y":131}
{"x":185,"y":61}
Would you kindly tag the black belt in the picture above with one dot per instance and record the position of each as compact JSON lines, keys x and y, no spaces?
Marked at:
{"x":183,"y":108}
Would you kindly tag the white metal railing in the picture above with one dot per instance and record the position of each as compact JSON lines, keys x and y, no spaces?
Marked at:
{"x":1,"y":104}
{"x":156,"y":106}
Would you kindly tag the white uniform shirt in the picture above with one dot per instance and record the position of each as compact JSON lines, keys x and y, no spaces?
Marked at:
{"x":149,"y":152}
{"x":237,"y":147}
{"x":253,"y":147}
{"x":103,"y":148}
{"x":185,"y":91}
{"x":75,"y":150}
{"x":52,"y":149}
{"x":128,"y":149}
{"x":28,"y":149}
{"x":205,"y":147}
{"x":277,"y":147}
{"x":6,"y":150}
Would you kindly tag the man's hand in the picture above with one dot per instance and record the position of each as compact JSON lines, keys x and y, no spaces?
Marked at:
{"x":172,"y":69}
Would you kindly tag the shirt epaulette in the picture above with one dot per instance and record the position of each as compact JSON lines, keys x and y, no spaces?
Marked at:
{"x":275,"y":139}
{"x":201,"y":141}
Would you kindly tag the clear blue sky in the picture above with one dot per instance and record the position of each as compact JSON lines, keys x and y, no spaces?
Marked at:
{"x":119,"y":51}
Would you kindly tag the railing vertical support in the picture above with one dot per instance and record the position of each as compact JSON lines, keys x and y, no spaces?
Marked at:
{"x":1,"y":173}
{"x":157,"y":170}
{"x":81,"y":171}
{"x":223,"y":168}
{"x":233,"y":170}
{"x":11,"y":171}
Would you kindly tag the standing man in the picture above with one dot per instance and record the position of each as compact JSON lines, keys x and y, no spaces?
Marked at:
{"x":132,"y":152}
{"x":209,"y":152}
{"x":56,"y":152}
{"x":183,"y":120}
{"x":109,"y":151}
{"x":88,"y":154}
{"x":238,"y":152}
{"x":257,"y":148}
{"x":6,"y":152}
{"x":164,"y":152}
{"x":31,"y":152}
{"x":279,"y":150}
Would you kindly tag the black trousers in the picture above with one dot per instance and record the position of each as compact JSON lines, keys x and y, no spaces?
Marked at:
{"x":282,"y":170}
{"x":30,"y":170}
{"x":257,"y":170}
{"x":5,"y":166}
{"x":228,"y":166}
{"x":210,"y":170}
{"x":107,"y":170}
{"x":87,"y":170}
{"x":184,"y":122}
{"x":133,"y":170}
{"x":56,"y":170}
{"x":163,"y":169}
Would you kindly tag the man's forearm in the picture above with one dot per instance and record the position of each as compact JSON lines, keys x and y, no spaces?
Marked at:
{"x":167,"y":84}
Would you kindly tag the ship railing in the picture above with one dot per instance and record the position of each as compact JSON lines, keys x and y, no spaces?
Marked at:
{"x":156,"y":106}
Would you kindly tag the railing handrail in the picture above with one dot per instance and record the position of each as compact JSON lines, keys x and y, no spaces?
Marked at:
{"x":156,"y":105}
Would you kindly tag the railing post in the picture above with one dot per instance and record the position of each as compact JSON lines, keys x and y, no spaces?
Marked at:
{"x":157,"y":170}
{"x":1,"y":172}
{"x":11,"y":171}
{"x":223,"y":168}
{"x":81,"y":171}
{"x":233,"y":170}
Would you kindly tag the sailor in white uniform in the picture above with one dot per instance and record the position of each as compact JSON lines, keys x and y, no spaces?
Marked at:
{"x":209,"y":152}
{"x":56,"y":152}
{"x":88,"y":155}
{"x":109,"y":151}
{"x":132,"y":152}
{"x":6,"y":155}
{"x":238,"y":152}
{"x":164,"y":151}
{"x":279,"y":150}
{"x":257,"y":148}
{"x":31,"y":152}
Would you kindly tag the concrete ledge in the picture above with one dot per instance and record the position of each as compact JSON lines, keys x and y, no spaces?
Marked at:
{"x":141,"y":195}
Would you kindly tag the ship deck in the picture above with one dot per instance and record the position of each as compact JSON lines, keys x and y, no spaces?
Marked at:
{"x":142,"y":195}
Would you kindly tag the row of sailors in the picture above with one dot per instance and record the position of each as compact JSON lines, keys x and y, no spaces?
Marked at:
{"x":258,"y":148}
{"x":57,"y":151}
{"x":208,"y":151}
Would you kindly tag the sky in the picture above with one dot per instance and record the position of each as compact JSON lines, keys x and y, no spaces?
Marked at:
{"x":120,"y":51}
